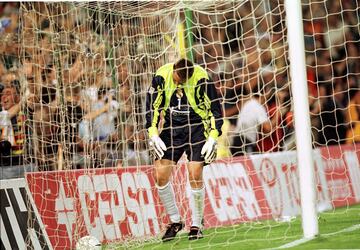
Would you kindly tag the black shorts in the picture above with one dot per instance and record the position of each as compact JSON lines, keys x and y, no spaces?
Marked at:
{"x":189,"y":139}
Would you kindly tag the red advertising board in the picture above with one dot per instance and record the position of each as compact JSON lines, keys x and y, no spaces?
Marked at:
{"x":117,"y":204}
{"x":341,"y":167}
{"x":111,"y":204}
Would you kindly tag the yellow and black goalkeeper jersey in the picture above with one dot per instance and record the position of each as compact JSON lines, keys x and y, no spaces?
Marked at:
{"x":192,"y":103}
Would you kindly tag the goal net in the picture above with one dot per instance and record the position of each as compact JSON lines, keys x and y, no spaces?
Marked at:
{"x":82,"y":71}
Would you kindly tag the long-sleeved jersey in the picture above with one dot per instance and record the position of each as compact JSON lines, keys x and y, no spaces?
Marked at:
{"x":193,"y":102}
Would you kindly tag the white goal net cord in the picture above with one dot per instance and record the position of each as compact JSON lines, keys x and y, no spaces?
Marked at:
{"x":74,"y":76}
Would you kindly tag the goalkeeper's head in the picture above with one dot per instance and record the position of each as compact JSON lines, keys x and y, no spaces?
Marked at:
{"x":183,"y":70}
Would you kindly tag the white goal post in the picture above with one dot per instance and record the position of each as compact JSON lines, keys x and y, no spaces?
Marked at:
{"x":302,"y":117}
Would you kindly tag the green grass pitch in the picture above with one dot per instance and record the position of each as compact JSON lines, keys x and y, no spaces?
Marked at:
{"x":339,"y":229}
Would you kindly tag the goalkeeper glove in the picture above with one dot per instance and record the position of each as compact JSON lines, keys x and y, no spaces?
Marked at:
{"x":157,"y":146}
{"x":209,"y":150}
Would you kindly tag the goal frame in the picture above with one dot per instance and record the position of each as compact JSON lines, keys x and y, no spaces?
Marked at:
{"x":301,"y":117}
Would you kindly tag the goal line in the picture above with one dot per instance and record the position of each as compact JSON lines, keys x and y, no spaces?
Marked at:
{"x":304,"y":240}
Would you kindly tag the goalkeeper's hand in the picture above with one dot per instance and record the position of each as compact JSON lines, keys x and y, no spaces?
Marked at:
{"x":209,"y":150}
{"x":157,"y":146}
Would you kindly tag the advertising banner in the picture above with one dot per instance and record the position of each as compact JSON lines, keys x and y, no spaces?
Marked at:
{"x":115,"y":204}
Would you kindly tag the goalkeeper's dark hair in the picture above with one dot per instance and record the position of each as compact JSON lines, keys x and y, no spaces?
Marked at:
{"x":184,"y":68}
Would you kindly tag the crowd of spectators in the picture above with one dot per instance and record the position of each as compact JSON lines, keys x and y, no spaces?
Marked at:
{"x":72,"y":86}
{"x":58,"y":94}
{"x":252,"y":73}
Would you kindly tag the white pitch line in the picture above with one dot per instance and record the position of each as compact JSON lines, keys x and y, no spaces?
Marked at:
{"x":304,"y":240}
{"x":345,"y":230}
{"x":295,"y":243}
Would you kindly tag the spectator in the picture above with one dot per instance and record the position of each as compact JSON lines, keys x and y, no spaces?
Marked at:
{"x":13,"y":130}
{"x":233,"y":91}
{"x":316,"y":101}
{"x":272,"y":132}
{"x":67,"y":119}
{"x":336,"y":29}
{"x":332,"y":116}
{"x":102,"y":118}
{"x":44,"y":129}
{"x":353,"y":119}
{"x":254,"y":125}
{"x":97,"y":127}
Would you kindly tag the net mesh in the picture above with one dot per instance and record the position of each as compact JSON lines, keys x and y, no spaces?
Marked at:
{"x":82,"y":71}
{"x":85,"y":55}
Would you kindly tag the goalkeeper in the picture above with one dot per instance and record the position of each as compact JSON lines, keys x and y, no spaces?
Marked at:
{"x":187,"y":101}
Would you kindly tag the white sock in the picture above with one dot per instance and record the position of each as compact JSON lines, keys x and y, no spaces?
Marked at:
{"x":167,"y":198}
{"x":197,"y":209}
